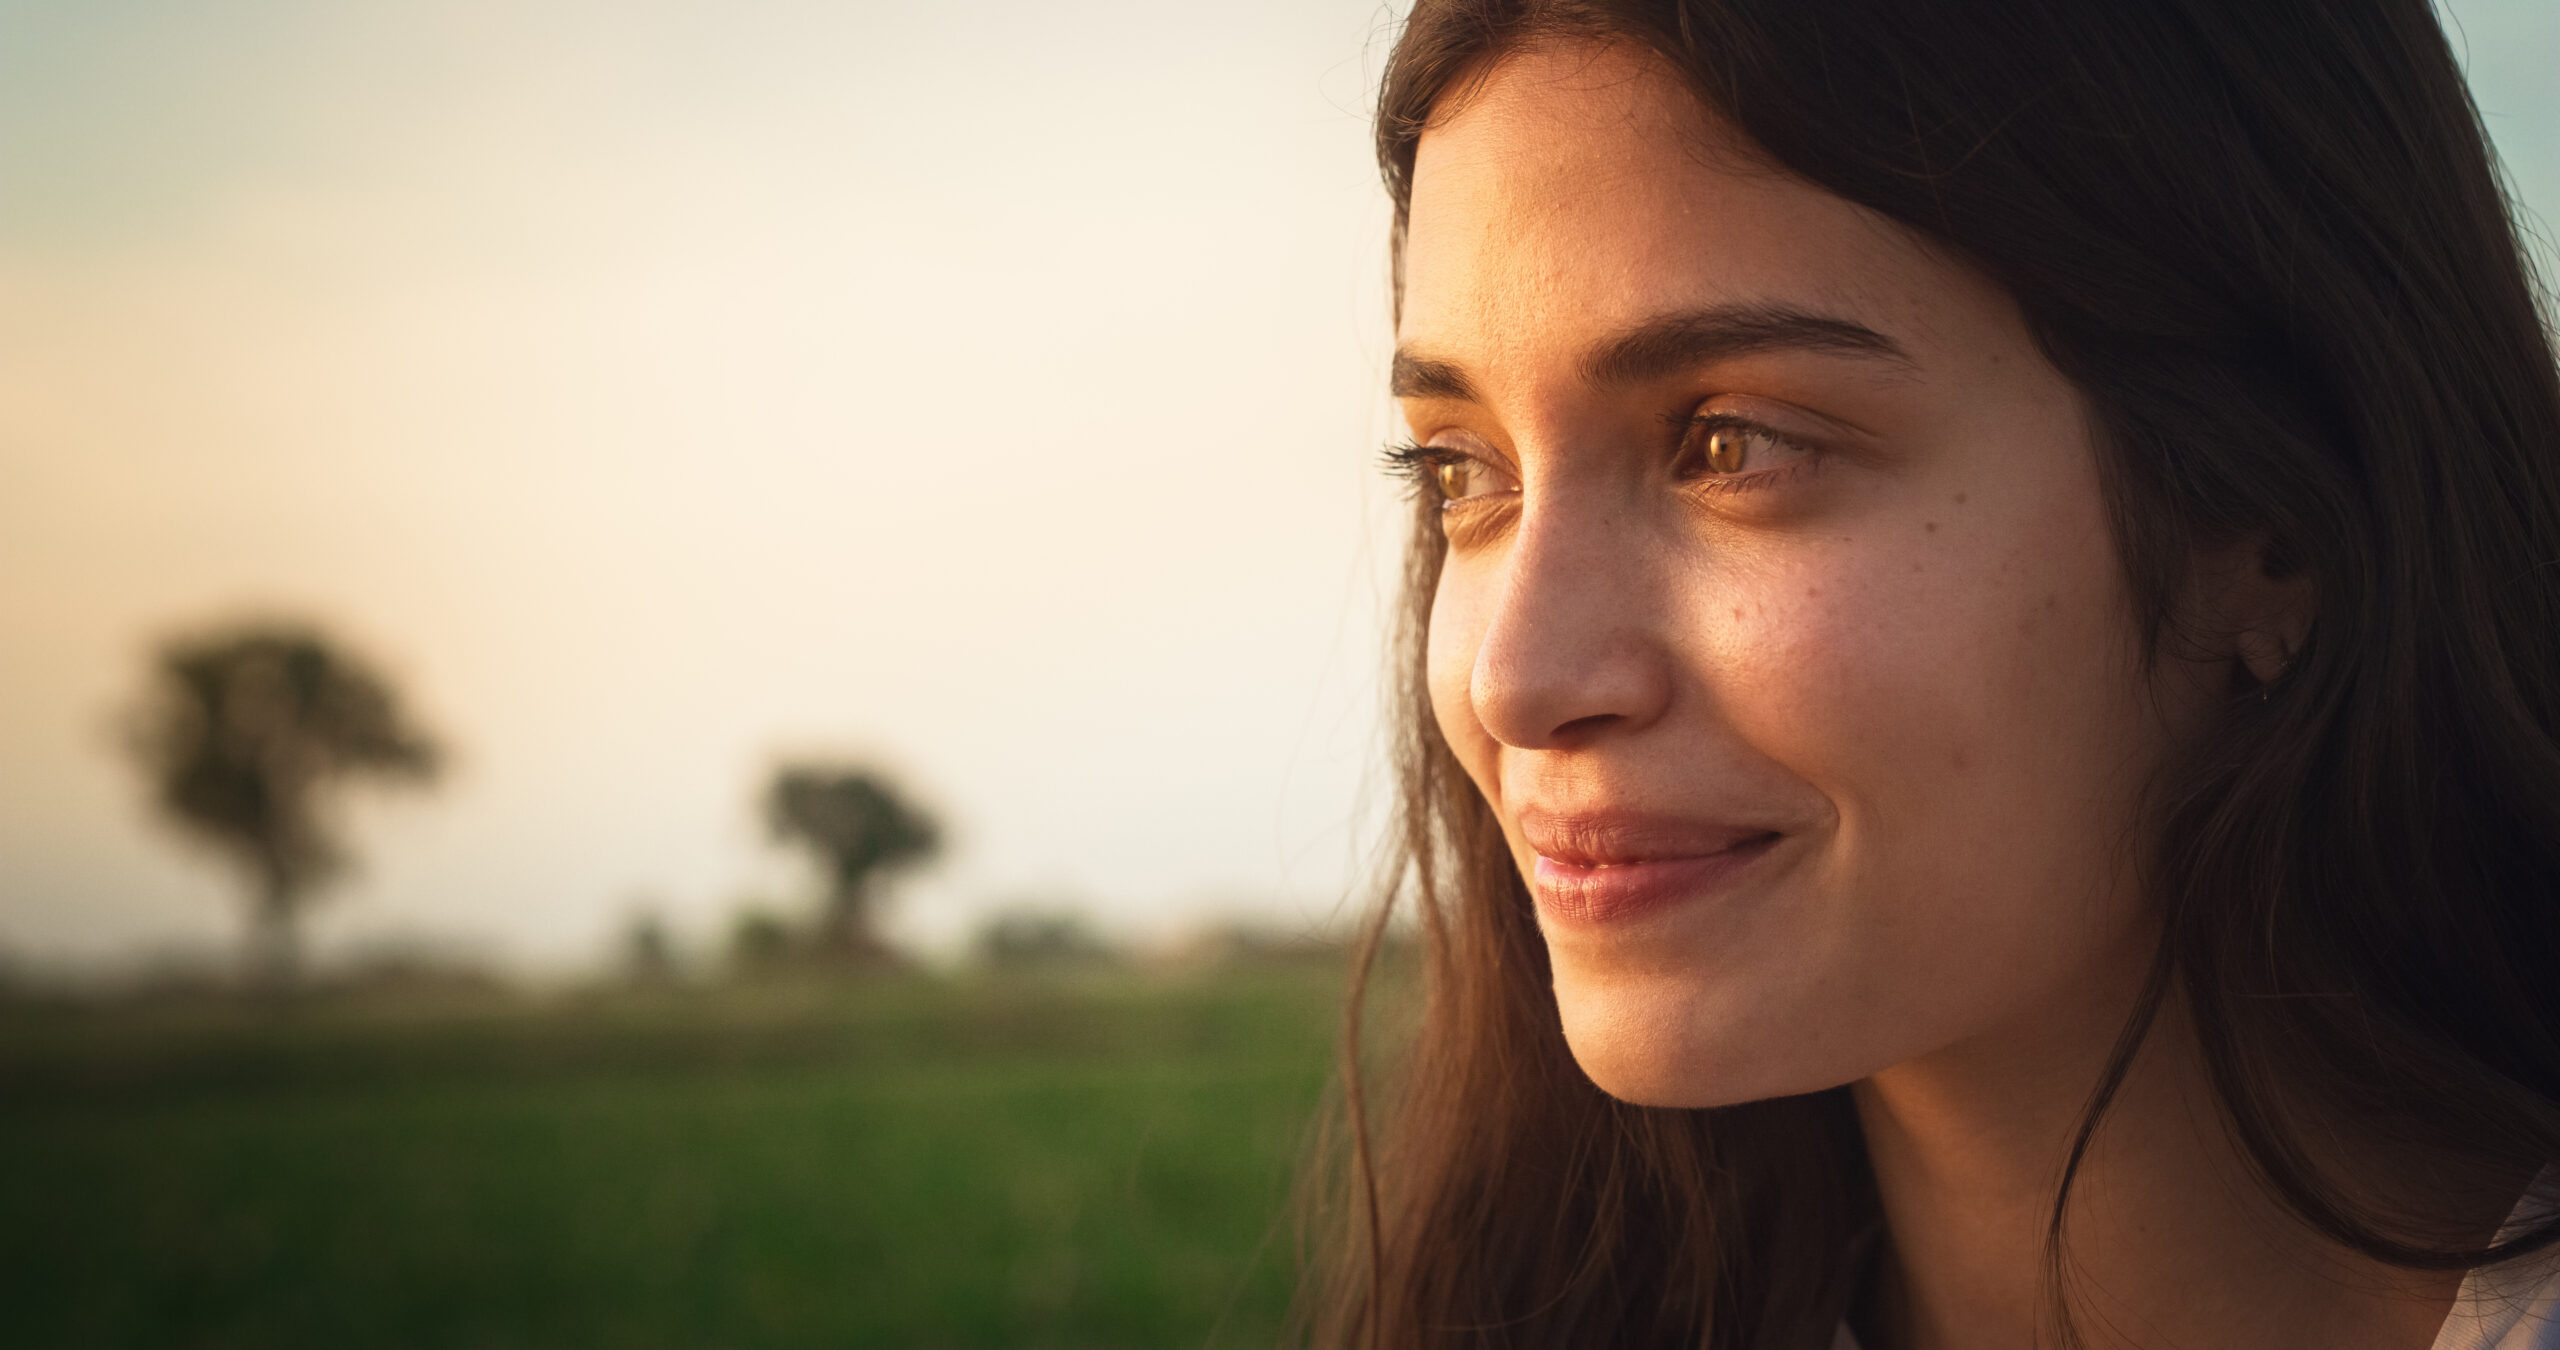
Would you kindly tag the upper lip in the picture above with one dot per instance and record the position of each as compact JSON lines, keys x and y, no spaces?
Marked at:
{"x":1616,"y":838}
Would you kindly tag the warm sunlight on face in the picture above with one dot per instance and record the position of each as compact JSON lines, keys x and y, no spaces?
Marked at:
{"x":1781,"y":621}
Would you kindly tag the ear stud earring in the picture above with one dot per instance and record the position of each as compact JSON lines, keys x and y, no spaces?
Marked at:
{"x":2266,"y":656}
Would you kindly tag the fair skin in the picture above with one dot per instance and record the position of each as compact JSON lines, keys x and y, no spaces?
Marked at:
{"x":1782,"y":627}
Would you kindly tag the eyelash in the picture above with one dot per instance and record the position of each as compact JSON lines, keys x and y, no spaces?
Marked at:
{"x":1413,"y":463}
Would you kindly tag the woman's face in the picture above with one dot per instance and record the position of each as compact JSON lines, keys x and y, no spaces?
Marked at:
{"x":1781,"y":622}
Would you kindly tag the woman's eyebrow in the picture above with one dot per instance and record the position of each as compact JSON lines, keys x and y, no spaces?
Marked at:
{"x":1412,"y":376}
{"x":1671,"y":343}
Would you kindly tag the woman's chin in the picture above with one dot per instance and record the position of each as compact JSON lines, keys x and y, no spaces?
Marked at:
{"x":1657,"y":1040}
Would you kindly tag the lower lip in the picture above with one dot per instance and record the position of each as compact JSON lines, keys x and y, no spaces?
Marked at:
{"x":1597,"y":895}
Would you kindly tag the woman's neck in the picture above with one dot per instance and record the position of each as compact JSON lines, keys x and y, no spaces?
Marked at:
{"x":2169,"y":1242}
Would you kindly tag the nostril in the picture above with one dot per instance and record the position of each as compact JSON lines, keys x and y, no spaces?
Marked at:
{"x":1585,"y":726}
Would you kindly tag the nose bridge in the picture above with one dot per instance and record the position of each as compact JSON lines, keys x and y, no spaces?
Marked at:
{"x":1574,"y":646}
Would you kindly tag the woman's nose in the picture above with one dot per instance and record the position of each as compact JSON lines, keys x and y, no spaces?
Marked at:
{"x":1574,"y":649}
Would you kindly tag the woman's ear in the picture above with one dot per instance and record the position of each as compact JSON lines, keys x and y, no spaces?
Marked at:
{"x":2263,"y":604}
{"x":2265,"y":653}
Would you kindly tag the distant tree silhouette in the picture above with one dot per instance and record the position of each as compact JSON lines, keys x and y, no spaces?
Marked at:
{"x":862,"y":831}
{"x":245,"y":732}
{"x":760,"y":940}
{"x":1035,"y":935}
{"x":648,"y":949}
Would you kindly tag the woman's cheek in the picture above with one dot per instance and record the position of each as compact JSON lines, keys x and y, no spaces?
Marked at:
{"x":1859,"y":670}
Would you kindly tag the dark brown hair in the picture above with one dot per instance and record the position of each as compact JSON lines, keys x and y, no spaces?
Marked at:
{"x":2268,"y":244}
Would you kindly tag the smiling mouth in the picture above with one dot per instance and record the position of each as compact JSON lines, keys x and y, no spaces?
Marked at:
{"x":1580,"y":889}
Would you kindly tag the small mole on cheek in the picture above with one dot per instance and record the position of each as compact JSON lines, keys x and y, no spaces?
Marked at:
{"x":1812,"y":592}
{"x":1959,"y":499}
{"x":1931,"y":527}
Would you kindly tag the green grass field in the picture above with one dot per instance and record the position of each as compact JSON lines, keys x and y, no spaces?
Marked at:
{"x":1094,"y":1161}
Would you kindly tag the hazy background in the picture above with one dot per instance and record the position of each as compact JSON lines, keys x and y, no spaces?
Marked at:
{"x":661,"y":388}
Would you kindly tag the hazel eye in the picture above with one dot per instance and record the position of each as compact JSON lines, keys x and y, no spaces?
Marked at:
{"x":1731,"y":448}
{"x":1722,"y":448}
{"x":1463,"y":477}
{"x":1450,"y":473}
{"x":1725,"y":452}
{"x":1454,"y":477}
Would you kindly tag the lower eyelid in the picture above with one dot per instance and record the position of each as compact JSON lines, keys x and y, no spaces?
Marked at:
{"x":1764,"y":478}
{"x":1473,"y":515}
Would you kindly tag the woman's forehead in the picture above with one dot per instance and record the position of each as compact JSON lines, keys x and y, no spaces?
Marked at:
{"x":1577,"y":193}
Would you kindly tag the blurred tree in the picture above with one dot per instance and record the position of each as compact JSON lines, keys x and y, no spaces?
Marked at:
{"x":648,"y":949}
{"x":861,"y":831}
{"x":244,"y":732}
{"x":1035,"y":935}
{"x":759,"y":939}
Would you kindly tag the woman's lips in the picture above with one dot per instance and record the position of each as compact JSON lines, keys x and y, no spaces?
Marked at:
{"x":1585,"y":892}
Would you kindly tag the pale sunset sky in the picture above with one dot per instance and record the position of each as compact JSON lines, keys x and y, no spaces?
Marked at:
{"x":657,"y":389}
